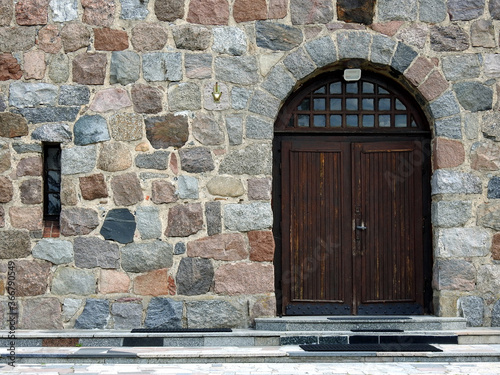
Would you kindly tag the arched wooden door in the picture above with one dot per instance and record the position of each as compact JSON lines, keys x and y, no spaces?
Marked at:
{"x":351,"y":199}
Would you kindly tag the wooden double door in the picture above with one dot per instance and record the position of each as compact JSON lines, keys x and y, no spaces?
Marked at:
{"x":352,"y":218}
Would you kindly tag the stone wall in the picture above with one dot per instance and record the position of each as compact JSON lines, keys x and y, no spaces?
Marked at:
{"x":166,"y":194}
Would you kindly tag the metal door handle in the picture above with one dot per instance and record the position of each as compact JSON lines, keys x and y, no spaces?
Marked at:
{"x":361,"y":227}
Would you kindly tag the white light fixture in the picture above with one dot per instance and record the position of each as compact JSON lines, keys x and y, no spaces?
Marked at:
{"x":352,"y":74}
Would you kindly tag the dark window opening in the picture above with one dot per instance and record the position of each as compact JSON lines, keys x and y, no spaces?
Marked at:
{"x":51,"y":189}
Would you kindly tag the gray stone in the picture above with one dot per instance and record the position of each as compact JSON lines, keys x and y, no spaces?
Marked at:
{"x":483,"y":34}
{"x":432,"y":11}
{"x":119,"y":225}
{"x":17,"y":38}
{"x":239,"y":97}
{"x":79,"y":159}
{"x":14,"y":244}
{"x":415,"y":35}
{"x":91,"y":129}
{"x":488,"y":215}
{"x":305,"y":12}
{"x":488,"y":278}
{"x":247,"y":217}
{"x":179,"y":248}
{"x":265,"y":105}
{"x":494,"y":8}
{"x":234,"y":127}
{"x":444,"y":106}
{"x":206,"y":130}
{"x":253,"y":159}
{"x":187,"y":187}
{"x":495,"y":315}
{"x":382,"y":49}
{"x":184,"y":96}
{"x":31,"y":191}
{"x":169,"y":10}
{"x":22,"y":148}
{"x":125,"y":67}
{"x":451,"y":213}
{"x":451,"y":182}
{"x":449,"y":38}
{"x":91,"y":252}
{"x":276,"y":36}
{"x":156,"y":160}
{"x":474,"y":96}
{"x":397,"y":10}
{"x":148,"y":222}
{"x":74,"y":95}
{"x":494,"y":188}
{"x":95,"y":314}
{"x":491,"y":65}
{"x":70,"y":308}
{"x":56,"y":132}
{"x":127,"y":189}
{"x":49,"y":114}
{"x":78,"y":221}
{"x":196,"y":160}
{"x":164,"y":313}
{"x":126,"y":126}
{"x":229,"y":40}
{"x":198,"y":65}
{"x":459,"y":67}
{"x":242,"y":70}
{"x":472,"y":309}
{"x":58,"y":68}
{"x":64,"y":10}
{"x":215,"y":314}
{"x":259,"y":188}
{"x":322,"y":51}
{"x":134,"y":10}
{"x":463,"y":242}
{"x":454,"y":274}
{"x":68,"y":280}
{"x":471,"y":125}
{"x":403,"y":57}
{"x":22,"y":94}
{"x":41,"y":313}
{"x":353,"y":44}
{"x":161,"y":66}
{"x":143,"y":257}
{"x":450,"y":127}
{"x":194,"y":276}
{"x":191,"y":37}
{"x":54,"y":250}
{"x":464,"y":10}
{"x":278,"y":82}
{"x":126,"y":315}
{"x":299,"y":64}
{"x":213,"y":217}
{"x":257,"y":128}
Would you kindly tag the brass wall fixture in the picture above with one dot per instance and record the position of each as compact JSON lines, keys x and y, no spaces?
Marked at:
{"x":217,"y":93}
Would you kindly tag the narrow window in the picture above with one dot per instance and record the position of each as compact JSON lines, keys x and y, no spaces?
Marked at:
{"x":52,"y":189}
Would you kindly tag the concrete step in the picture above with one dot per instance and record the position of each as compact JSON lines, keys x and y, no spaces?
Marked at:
{"x":347,"y":323}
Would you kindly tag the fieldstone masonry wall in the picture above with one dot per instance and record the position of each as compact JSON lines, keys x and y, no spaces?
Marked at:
{"x":166,"y":195}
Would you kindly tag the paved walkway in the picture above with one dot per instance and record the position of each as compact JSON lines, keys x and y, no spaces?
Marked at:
{"x":262,"y":368}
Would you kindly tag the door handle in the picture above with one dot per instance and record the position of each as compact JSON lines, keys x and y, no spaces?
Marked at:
{"x":360,"y":227}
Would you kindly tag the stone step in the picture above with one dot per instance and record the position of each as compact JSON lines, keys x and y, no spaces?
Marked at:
{"x":347,"y":323}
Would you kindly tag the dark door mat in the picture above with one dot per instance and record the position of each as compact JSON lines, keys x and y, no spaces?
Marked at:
{"x":370,"y":348}
{"x":377,"y":330}
{"x":179,"y":330}
{"x":419,"y":339}
{"x":142,"y":341}
{"x":359,"y":317}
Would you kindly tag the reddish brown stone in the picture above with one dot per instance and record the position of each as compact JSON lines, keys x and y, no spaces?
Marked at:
{"x":486,"y":157}
{"x":112,"y":99}
{"x":34,"y":65}
{"x":419,"y":70}
{"x":77,"y":221}
{"x":68,"y":192}
{"x":230,"y":246}
{"x":2,"y":220}
{"x":388,"y":28}
{"x":110,"y":40}
{"x":66,"y":342}
{"x":148,"y":37}
{"x":32,"y":12}
{"x":126,"y":189}
{"x":495,"y":246}
{"x":163,"y":192}
{"x":113,"y":281}
{"x":12,"y":125}
{"x":208,"y":12}
{"x":9,"y":68}
{"x":433,"y":86}
{"x":30,"y":218}
{"x":75,"y":36}
{"x":31,"y":191}
{"x":448,"y":153}
{"x":6,"y":189}
{"x":41,"y":313}
{"x":174,"y":167}
{"x":30,"y":167}
{"x":31,"y":277}
{"x":360,"y":11}
{"x":93,"y":187}
{"x":264,"y":307}
{"x":146,"y":99}
{"x":49,"y":39}
{"x":184,"y":220}
{"x":244,"y":278}
{"x":261,"y":245}
{"x":172,"y":288}
{"x":259,"y":188}
{"x":278,"y":9}
{"x":167,"y":131}
{"x":98,"y":12}
{"x":89,"y":68}
{"x":249,"y":10}
{"x":153,"y":283}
